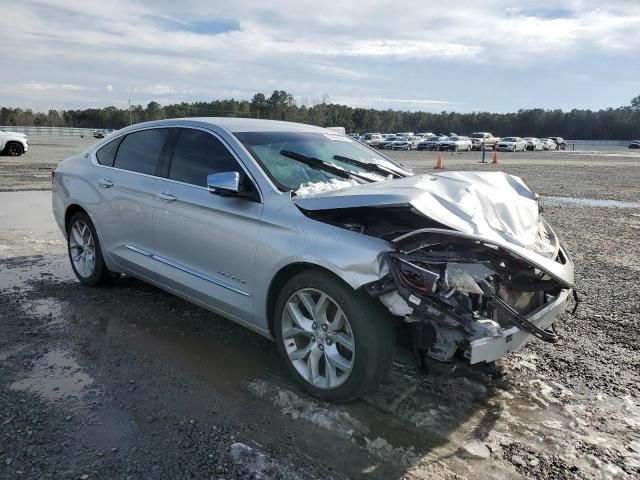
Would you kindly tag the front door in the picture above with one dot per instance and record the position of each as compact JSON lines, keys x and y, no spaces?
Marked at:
{"x":205,"y":244}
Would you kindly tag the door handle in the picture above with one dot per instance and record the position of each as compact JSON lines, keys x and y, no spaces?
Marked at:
{"x":105,"y":183}
{"x":167,"y":197}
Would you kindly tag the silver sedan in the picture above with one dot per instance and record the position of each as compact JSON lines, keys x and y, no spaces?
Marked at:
{"x":318,"y":242}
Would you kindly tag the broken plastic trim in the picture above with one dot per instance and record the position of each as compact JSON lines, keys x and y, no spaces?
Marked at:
{"x":418,"y":295}
{"x":524,"y":324}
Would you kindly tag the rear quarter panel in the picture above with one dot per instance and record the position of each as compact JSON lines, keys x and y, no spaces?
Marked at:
{"x":73,"y":185}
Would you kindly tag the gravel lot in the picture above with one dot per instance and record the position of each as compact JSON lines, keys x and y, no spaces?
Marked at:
{"x":130,"y":382}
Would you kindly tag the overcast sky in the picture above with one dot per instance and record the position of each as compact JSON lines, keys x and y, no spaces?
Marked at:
{"x":465,"y":55}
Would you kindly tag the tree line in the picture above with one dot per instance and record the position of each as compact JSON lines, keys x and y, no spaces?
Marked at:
{"x":622,"y":123}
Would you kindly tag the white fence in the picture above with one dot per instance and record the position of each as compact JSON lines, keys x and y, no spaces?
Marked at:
{"x":50,"y":131}
{"x":600,"y":143}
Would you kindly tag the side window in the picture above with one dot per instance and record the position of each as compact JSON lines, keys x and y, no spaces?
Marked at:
{"x":140,"y":151}
{"x":107,"y":154}
{"x":198,"y":154}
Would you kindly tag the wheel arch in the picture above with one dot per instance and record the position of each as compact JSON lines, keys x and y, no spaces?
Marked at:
{"x":70,"y":212}
{"x":282,"y":276}
{"x":23,"y":146}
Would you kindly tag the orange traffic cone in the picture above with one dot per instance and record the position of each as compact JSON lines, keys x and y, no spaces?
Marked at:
{"x":439,"y":162}
{"x":495,"y":157}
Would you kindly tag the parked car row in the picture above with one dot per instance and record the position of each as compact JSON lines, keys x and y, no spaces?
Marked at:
{"x":454,"y":142}
{"x":518,"y":144}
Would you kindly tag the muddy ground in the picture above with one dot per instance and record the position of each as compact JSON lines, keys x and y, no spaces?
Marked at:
{"x":130,"y":382}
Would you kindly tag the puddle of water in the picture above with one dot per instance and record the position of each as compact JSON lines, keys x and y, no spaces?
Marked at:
{"x":381,"y":424}
{"x":55,"y":376}
{"x":15,"y":272}
{"x":4,"y":354}
{"x":224,"y":358}
{"x":588,"y":202}
{"x":46,"y":307}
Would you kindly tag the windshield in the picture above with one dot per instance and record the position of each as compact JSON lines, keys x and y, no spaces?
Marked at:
{"x":510,"y":139}
{"x":477,"y":135}
{"x":289,"y":174}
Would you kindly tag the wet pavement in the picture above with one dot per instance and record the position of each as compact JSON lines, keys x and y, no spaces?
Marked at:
{"x":130,"y":382}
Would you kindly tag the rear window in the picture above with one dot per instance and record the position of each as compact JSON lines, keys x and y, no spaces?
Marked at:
{"x":140,"y":151}
{"x":107,"y":154}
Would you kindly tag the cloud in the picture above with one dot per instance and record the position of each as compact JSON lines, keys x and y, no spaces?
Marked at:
{"x":493,"y":55}
{"x":156,"y":89}
{"x":404,"y":103}
{"x":54,"y":87}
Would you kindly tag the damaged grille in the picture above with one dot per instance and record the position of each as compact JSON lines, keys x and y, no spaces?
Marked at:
{"x":523,"y":302}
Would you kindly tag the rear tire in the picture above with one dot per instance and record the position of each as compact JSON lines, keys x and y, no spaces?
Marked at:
{"x":13,"y":149}
{"x":85,"y":252}
{"x":336,"y":342}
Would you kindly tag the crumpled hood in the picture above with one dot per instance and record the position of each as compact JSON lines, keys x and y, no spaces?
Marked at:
{"x":493,"y":205}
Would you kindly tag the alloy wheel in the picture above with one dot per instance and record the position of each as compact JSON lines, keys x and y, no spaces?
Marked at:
{"x":318,"y":338}
{"x":82,"y":248}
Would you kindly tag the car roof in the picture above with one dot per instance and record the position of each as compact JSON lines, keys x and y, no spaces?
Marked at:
{"x":239,"y":124}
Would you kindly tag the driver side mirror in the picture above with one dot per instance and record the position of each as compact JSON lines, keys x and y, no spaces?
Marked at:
{"x":224,"y":183}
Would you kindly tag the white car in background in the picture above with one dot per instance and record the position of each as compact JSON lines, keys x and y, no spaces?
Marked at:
{"x":548,"y":144}
{"x":456,"y":144}
{"x":406,"y":143}
{"x":13,"y":144}
{"x":387,"y":142}
{"x":371,"y":139}
{"x":533,"y":143}
{"x":511,"y":144}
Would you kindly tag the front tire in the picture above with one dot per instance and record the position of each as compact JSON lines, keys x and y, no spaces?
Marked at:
{"x":13,"y":149}
{"x":336,"y":342}
{"x":85,"y":253}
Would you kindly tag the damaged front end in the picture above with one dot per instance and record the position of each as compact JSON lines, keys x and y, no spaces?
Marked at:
{"x":473,"y":267}
{"x":469,"y":295}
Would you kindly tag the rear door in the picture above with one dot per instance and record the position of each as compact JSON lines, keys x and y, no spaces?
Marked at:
{"x":128,"y":185}
{"x":205,"y":243}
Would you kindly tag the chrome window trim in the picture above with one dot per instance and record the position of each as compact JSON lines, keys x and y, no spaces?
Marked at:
{"x":94,"y":158}
{"x":185,"y":269}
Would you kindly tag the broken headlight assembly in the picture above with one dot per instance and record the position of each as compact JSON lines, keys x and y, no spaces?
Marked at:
{"x":462,"y":291}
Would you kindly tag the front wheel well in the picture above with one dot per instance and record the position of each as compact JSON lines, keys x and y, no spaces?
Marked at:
{"x":11,"y":142}
{"x":282,"y":277}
